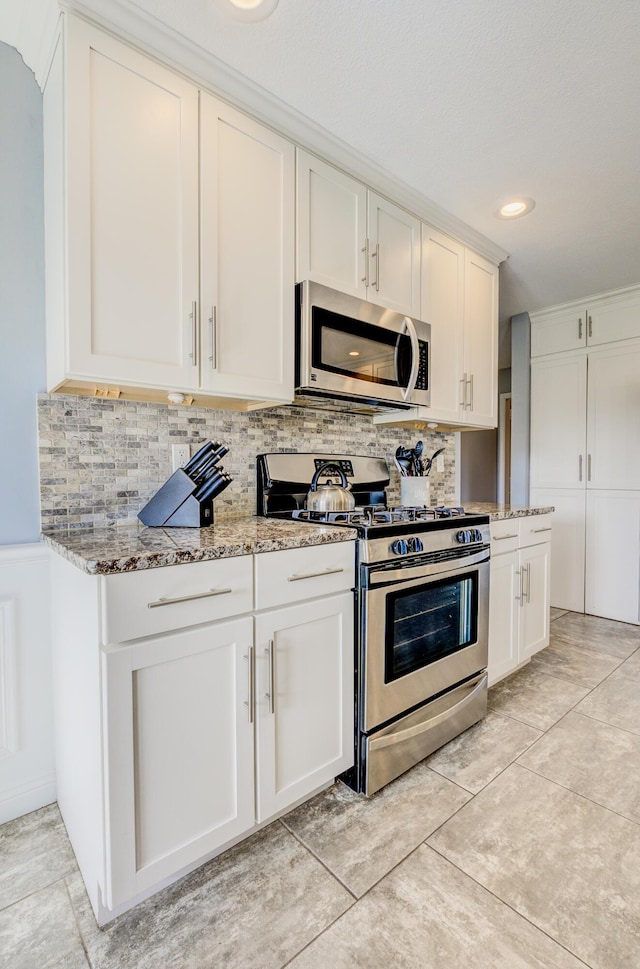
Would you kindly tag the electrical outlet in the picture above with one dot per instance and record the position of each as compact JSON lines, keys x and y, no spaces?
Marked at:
{"x":440,"y":462}
{"x":180,"y":454}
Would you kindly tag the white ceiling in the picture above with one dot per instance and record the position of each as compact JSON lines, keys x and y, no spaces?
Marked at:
{"x":469,"y":102}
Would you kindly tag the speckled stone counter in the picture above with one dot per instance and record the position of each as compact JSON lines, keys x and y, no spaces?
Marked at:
{"x":499,"y":512}
{"x":132,"y":547}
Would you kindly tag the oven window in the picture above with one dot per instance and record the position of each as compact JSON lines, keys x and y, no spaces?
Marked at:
{"x":359,"y":350}
{"x":426,"y":623}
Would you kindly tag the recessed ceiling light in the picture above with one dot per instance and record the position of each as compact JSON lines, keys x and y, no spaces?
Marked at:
{"x":354,"y":353}
{"x":515,"y":208}
{"x":248,"y":10}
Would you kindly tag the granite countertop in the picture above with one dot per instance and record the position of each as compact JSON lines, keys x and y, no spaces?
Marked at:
{"x":499,"y":512}
{"x":132,"y":547}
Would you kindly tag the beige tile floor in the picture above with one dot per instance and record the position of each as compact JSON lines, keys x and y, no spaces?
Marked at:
{"x":516,"y":846}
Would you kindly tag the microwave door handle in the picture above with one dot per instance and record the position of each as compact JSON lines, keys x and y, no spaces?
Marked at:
{"x":408,"y":327}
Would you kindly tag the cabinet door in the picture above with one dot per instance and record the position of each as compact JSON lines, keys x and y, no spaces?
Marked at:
{"x":564,"y":329}
{"x":504,"y":609}
{"x":132,"y":214}
{"x":247,"y":218}
{"x":613,"y":417}
{"x":558,"y":421}
{"x":615,"y":318}
{"x":331,"y":226}
{"x":481,"y":341}
{"x":442,"y":307}
{"x":568,"y":559}
{"x":178,"y":752}
{"x":535,"y":609}
{"x":304,"y":707}
{"x":394,"y":256}
{"x":613,"y":563}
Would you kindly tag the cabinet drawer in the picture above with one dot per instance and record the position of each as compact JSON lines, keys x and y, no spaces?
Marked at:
{"x":136,"y":604}
{"x":303,"y":573}
{"x":505,"y":536}
{"x":535,"y":529}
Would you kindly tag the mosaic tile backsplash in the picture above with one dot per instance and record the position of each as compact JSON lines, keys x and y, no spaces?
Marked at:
{"x":102,"y":460}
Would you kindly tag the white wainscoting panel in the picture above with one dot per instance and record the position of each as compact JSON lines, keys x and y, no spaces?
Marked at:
{"x":27,"y":775}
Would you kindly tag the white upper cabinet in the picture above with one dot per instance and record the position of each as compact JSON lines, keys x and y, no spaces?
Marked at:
{"x":480,"y":373}
{"x":443,"y":308}
{"x":132,"y":214}
{"x":558,"y":421}
{"x":331,"y":226}
{"x":603,"y":319}
{"x":355,"y":241}
{"x":247,"y":255}
{"x":394,"y":256}
{"x":176,"y":232}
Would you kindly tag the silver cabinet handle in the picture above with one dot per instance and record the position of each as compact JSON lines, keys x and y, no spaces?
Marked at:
{"x":365,"y":249}
{"x":590,"y":325}
{"x":463,"y":402}
{"x":536,"y":531}
{"x":580,"y":328}
{"x":519,"y":596}
{"x":193,"y":316}
{"x":314,"y":575}
{"x":579,"y":467}
{"x":376,"y":256}
{"x":588,"y":467}
{"x":213,"y":358}
{"x":528,"y":581}
{"x":470,"y":381}
{"x":196,"y":595}
{"x":270,"y":651}
{"x":501,"y":538}
{"x":250,"y":702}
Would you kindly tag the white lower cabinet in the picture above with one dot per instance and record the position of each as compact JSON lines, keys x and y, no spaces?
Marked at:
{"x":178,"y":752}
{"x":196,"y":725}
{"x":304,"y":700}
{"x":612,"y":580}
{"x":519,"y":592}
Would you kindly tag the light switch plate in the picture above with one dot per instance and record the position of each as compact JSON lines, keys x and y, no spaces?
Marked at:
{"x":180,"y":454}
{"x":440,"y":462}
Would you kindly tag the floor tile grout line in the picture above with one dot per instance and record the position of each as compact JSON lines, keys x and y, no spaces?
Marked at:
{"x":570,"y":790}
{"x":511,"y":907}
{"x":36,"y":891}
{"x":317,"y":858}
{"x":77,"y":924}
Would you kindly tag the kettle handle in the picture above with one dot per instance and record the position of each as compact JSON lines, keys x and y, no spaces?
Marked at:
{"x":323,"y":469}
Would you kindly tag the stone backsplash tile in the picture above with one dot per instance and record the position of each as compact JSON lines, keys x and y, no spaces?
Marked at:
{"x":102,"y":460}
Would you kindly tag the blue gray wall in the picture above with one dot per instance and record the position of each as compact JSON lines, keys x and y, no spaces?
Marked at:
{"x":22,"y":331}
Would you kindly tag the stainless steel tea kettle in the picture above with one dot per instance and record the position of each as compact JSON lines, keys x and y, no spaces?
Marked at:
{"x":329,"y":496}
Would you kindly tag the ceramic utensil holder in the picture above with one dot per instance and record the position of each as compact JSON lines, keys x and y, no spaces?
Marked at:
{"x":414,"y":491}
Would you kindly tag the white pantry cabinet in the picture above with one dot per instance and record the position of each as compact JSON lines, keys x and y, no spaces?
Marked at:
{"x":170,"y":216}
{"x":519,"y":605}
{"x":353,"y":240}
{"x":585,"y":440}
{"x":601,"y":319}
{"x":189,"y":710}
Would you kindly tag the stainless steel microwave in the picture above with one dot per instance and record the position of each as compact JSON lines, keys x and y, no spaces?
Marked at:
{"x":349,"y":349}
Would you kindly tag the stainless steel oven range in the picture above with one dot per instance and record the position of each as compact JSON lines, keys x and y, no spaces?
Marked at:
{"x":422,"y":602}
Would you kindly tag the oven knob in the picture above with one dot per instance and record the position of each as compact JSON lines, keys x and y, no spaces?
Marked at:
{"x":464,"y":536}
{"x":399,"y":547}
{"x":415,"y":545}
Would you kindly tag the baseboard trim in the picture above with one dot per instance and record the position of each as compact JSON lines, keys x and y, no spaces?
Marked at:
{"x":27,"y":798}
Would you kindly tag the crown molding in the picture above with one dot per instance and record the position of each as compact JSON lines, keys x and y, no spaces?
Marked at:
{"x":130,"y":23}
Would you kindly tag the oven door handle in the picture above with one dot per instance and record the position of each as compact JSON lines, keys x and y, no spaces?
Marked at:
{"x":476,"y":687}
{"x":423,"y":571}
{"x":408,"y":327}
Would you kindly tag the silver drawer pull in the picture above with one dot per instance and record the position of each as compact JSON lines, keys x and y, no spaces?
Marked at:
{"x":313,"y":575}
{"x":196,"y":595}
{"x":500,"y":538}
{"x":535,"y":531}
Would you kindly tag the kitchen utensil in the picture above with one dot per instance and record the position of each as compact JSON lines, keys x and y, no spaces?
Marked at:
{"x":200,"y":457}
{"x":432,"y":459}
{"x":329,"y":496}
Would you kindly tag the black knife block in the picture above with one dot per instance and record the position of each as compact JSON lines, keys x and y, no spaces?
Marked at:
{"x":174,"y":505}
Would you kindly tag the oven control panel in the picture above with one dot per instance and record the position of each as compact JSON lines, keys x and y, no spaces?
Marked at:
{"x":467,"y":536}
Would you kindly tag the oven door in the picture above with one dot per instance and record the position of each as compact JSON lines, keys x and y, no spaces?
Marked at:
{"x":424,"y":628}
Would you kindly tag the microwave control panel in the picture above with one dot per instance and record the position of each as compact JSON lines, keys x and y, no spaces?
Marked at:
{"x":422,"y":382}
